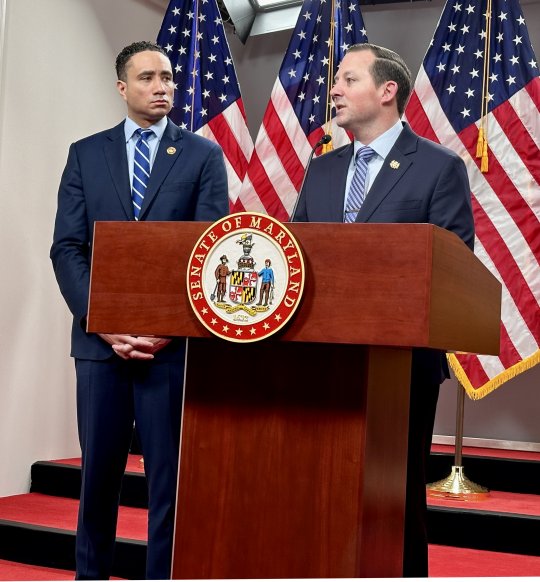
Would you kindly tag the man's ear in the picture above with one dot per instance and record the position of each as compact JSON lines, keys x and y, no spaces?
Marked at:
{"x":390,"y":89}
{"x":121,"y":87}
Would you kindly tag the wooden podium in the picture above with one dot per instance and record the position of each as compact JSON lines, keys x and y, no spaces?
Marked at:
{"x":293,"y":449}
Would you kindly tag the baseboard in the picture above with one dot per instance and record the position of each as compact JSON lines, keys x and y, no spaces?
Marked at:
{"x":488,"y":443}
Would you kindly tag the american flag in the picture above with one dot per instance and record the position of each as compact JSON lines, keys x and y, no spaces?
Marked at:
{"x":207,"y":97}
{"x":480,"y":76}
{"x":298,"y":113}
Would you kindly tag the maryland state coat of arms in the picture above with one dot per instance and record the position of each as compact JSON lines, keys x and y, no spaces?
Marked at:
{"x":245,"y":277}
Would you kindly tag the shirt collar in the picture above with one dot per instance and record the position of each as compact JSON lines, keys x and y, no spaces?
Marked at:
{"x":130,"y":127}
{"x":384,"y":143}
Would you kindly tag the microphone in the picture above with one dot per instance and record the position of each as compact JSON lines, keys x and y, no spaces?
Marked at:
{"x":323,"y":141}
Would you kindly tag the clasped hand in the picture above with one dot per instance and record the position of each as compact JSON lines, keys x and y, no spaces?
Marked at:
{"x":130,"y":347}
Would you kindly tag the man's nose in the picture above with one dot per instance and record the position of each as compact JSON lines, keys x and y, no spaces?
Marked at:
{"x":159,"y":86}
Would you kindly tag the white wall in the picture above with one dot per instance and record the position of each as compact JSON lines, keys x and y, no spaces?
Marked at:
{"x":58,"y":85}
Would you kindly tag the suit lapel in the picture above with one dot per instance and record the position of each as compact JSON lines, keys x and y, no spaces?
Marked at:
{"x":338,"y":183}
{"x":116,"y":157}
{"x":396,"y":163}
{"x":169,"y":149}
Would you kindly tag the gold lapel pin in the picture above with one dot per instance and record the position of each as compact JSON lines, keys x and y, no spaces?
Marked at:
{"x":394,"y":164}
{"x":171,"y":151}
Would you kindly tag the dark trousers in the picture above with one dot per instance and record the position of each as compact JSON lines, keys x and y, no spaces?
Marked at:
{"x":111,"y":396}
{"x":425,"y":385}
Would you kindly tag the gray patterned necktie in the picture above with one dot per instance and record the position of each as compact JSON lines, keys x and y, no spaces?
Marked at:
{"x":357,"y":190}
{"x":141,"y":170}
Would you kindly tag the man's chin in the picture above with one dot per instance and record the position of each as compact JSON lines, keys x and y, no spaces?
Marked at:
{"x":160,"y":110}
{"x":341,"y":123}
{"x":157,"y":113}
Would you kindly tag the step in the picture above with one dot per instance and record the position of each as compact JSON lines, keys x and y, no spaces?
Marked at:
{"x":450,"y":562}
{"x":504,"y":522}
{"x":17,"y":571}
{"x":40,"y":529}
{"x":496,"y":469}
{"x":63,"y":478}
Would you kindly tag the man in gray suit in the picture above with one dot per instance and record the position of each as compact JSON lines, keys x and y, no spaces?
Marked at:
{"x":390,"y":174}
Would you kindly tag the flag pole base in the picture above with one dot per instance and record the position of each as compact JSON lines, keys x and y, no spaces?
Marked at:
{"x":457,"y":486}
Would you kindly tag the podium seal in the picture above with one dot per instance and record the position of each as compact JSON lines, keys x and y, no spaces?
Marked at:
{"x":245,"y":277}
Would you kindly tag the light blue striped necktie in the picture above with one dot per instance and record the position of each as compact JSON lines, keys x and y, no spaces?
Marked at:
{"x":357,"y":190}
{"x":141,"y":170}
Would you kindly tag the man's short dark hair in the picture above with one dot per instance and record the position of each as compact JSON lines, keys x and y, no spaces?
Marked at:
{"x":389,"y":66}
{"x":127,"y":52}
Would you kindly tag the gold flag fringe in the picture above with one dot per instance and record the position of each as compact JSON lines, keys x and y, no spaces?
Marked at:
{"x":484,"y":164}
{"x":326,"y":147}
{"x":480,"y":142}
{"x":499,"y":380}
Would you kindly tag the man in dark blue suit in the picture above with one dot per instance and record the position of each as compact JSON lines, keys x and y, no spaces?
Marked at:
{"x":121,"y":378}
{"x":405,"y":179}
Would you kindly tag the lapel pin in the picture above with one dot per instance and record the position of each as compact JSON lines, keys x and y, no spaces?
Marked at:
{"x":171,"y":151}
{"x":394,"y":164}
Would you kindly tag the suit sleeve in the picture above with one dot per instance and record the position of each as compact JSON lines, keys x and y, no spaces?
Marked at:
{"x":450,"y":205}
{"x":213,"y":197}
{"x":71,"y":245}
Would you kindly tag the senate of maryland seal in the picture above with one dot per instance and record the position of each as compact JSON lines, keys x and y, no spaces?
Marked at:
{"x":245,"y":277}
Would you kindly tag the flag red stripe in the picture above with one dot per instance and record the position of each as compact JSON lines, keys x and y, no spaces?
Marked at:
{"x":418,"y":119}
{"x":510,"y":197}
{"x":283,"y":145}
{"x":473,"y":368}
{"x":509,"y":354}
{"x":264,"y":188}
{"x":229,"y":143}
{"x":237,"y":206}
{"x":520,"y":138}
{"x":533,"y":89}
{"x":506,"y":265}
{"x":472,"y":365}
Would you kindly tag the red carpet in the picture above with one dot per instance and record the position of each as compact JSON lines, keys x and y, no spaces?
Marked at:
{"x":134,"y":464}
{"x":498,"y":501}
{"x":15,"y":571}
{"x":61,"y":513}
{"x":448,"y":562}
{"x":444,"y":562}
{"x":481,"y":452}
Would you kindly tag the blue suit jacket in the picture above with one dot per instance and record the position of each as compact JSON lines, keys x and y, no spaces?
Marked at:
{"x":188,"y":182}
{"x":430,"y":185}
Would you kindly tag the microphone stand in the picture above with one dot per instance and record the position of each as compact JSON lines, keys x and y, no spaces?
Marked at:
{"x":324,"y":140}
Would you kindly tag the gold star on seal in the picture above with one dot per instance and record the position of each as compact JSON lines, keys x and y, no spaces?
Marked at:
{"x":394,"y":164}
{"x":171,"y":151}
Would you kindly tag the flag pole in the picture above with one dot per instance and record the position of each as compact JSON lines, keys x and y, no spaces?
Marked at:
{"x":457,"y":485}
